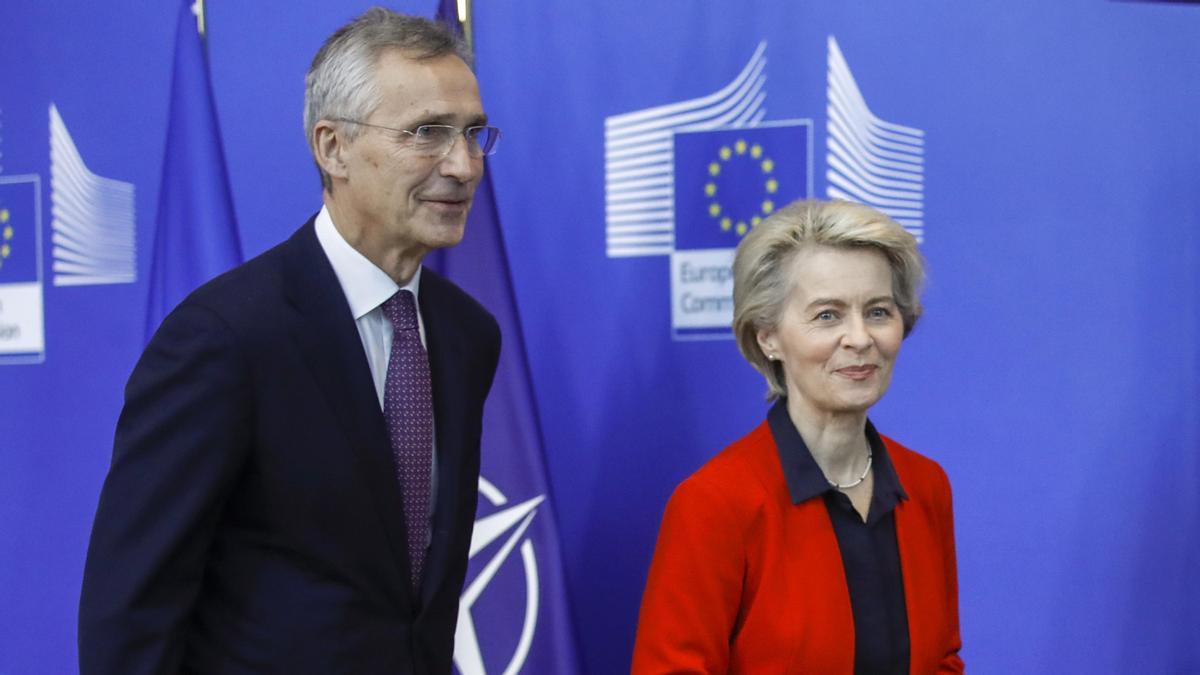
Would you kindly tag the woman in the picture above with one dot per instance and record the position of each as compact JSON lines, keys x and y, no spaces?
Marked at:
{"x":813,"y":544}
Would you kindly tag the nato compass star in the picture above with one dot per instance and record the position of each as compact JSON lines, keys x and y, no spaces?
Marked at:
{"x":513,"y":522}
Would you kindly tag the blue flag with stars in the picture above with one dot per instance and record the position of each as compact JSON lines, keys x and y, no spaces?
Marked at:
{"x":195,"y":236}
{"x":728,"y":180}
{"x":18,"y":231}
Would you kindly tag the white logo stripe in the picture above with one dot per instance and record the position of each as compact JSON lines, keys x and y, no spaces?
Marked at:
{"x":635,"y":251}
{"x":639,"y":194}
{"x":662,"y":181}
{"x":905,"y":160}
{"x":639,"y":157}
{"x":752,"y":66}
{"x":638,"y":160}
{"x":647,"y":150}
{"x":851,"y":152}
{"x":876,"y":186}
{"x":643,"y":172}
{"x":869,"y":160}
{"x":644,"y":216}
{"x":750,"y":92}
{"x":92,"y":218}
{"x":866,"y":197}
{"x":640,"y":206}
{"x":625,"y":230}
{"x":642,"y":239}
{"x":844,"y":83}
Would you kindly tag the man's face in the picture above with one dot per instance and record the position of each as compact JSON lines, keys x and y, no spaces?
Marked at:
{"x":399,"y":196}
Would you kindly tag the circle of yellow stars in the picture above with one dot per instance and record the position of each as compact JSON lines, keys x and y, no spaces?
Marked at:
{"x":6,"y":236}
{"x":754,"y":152}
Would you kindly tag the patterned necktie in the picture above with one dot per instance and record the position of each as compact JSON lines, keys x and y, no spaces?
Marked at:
{"x":408,"y":408}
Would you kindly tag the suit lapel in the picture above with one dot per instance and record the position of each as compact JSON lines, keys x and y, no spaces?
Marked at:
{"x":332,"y":349}
{"x":448,"y":358}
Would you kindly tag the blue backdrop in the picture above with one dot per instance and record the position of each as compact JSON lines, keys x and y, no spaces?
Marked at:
{"x":1048,"y":154}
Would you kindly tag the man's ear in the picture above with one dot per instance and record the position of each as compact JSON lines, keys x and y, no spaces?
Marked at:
{"x":329,"y":147}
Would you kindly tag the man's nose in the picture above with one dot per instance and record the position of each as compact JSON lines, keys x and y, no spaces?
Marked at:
{"x":458,"y":162}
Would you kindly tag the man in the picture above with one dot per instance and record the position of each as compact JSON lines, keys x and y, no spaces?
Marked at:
{"x":294,"y":474}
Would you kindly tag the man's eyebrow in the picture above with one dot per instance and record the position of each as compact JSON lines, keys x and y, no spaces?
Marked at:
{"x":448,"y":119}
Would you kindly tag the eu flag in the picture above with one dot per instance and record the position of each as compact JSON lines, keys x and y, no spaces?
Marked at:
{"x":728,"y":180}
{"x":195,"y":235}
{"x":18,"y":230}
{"x":514,"y":615}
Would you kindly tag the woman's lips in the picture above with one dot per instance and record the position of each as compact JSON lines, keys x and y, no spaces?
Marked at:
{"x":857,"y":372}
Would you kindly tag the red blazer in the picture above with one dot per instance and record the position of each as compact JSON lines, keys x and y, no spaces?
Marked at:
{"x":745,"y":581}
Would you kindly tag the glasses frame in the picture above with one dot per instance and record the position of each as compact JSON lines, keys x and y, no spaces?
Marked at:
{"x":463,"y":132}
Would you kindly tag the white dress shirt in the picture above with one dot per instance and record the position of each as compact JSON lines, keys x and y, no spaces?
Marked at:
{"x":366,"y":288}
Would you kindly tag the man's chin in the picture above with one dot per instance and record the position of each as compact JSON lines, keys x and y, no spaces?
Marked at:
{"x":445,"y":235}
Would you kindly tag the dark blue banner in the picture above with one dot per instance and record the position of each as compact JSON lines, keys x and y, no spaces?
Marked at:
{"x":195,"y":236}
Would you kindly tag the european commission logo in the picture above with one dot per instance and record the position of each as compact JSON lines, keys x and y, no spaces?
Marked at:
{"x":688,"y":180}
{"x":93,"y":240}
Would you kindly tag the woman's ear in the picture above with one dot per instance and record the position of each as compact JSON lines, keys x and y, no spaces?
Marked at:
{"x":768,"y":343}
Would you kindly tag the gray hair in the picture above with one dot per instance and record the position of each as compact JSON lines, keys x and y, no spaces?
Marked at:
{"x":341,"y":80}
{"x":762,"y":282}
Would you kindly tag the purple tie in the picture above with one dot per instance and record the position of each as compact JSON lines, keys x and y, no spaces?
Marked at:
{"x":408,"y":407}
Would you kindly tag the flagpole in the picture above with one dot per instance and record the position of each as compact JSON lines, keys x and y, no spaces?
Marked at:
{"x":198,"y":10}
{"x":465,"y":21}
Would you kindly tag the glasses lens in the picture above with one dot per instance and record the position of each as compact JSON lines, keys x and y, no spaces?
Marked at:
{"x":433,"y":139}
{"x":482,"y":140}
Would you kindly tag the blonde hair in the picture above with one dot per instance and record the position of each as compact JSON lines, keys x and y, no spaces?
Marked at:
{"x":762,"y":279}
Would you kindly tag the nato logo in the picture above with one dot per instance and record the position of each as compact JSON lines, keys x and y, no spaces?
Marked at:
{"x":502,"y":575}
{"x":22,"y":338}
{"x":689,"y":180}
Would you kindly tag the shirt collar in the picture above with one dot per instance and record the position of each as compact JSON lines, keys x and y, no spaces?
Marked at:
{"x":365,"y":285}
{"x":803,"y":476}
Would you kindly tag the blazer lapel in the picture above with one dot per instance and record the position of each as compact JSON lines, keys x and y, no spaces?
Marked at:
{"x":332,"y":349}
{"x":448,"y":361}
{"x":923,"y":582}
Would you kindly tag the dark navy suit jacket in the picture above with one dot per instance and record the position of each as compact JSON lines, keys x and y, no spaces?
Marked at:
{"x":251,"y":521}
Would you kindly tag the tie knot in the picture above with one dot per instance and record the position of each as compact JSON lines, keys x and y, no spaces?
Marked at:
{"x":401,"y":310}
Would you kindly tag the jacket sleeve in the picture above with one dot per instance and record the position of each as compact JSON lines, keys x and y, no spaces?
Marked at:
{"x":951,"y":662}
{"x":693,"y":592}
{"x":180,"y":443}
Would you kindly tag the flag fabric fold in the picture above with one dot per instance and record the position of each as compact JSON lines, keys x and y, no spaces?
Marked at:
{"x":514,"y":615}
{"x":195,"y":236}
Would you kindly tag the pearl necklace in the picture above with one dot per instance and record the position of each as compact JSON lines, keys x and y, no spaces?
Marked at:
{"x":861,"y":478}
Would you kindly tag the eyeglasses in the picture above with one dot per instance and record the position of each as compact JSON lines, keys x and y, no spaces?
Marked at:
{"x":437,"y":140}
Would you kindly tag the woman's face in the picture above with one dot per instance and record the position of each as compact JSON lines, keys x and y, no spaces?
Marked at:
{"x":840,"y":330}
